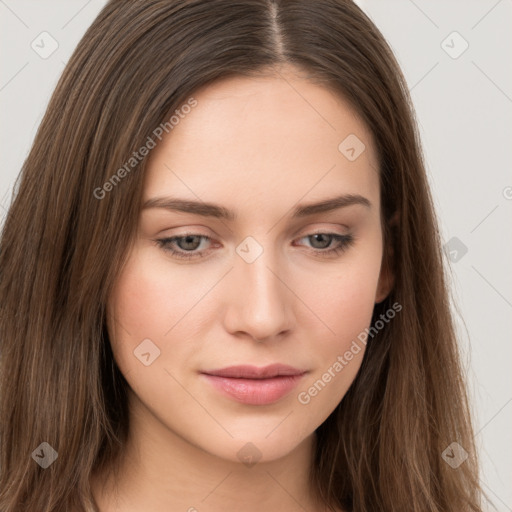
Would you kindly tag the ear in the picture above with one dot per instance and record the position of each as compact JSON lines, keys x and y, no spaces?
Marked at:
{"x":387,"y":277}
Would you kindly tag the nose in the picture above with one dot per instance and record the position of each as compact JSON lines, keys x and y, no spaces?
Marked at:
{"x":260,"y":304}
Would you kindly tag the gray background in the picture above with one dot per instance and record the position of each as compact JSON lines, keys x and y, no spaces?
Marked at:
{"x":464,"y":105}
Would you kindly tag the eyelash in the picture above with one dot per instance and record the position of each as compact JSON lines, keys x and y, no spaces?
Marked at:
{"x":345,"y":242}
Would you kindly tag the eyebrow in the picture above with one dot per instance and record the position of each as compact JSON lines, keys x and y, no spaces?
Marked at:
{"x":220,"y":212}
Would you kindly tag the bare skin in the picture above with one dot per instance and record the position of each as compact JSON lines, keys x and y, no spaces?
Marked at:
{"x":259,"y":147}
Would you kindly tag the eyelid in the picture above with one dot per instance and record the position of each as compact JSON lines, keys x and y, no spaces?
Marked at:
{"x":330,"y":229}
{"x":324,"y":230}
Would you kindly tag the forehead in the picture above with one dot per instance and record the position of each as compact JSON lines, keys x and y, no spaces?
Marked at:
{"x":276,"y":138}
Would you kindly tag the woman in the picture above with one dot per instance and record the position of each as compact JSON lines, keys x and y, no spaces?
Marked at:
{"x":221,"y":278}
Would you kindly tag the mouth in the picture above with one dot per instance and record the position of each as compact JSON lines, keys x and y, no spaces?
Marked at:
{"x":252,"y":385}
{"x":255,"y":386}
{"x":255,"y":372}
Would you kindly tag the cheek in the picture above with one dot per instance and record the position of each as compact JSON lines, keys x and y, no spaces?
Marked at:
{"x":147,"y":303}
{"x":344,"y":297}
{"x":344,"y":301}
{"x":338,"y":356}
{"x":152,"y":296}
{"x":349,"y":305}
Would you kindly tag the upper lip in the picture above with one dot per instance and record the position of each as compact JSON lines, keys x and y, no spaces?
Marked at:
{"x":254,"y":372}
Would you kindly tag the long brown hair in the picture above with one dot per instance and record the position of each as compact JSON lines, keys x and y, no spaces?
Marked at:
{"x":63,"y":245}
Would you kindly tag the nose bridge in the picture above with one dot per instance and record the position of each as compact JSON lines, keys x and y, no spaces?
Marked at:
{"x":260,"y":301}
{"x":254,"y":270}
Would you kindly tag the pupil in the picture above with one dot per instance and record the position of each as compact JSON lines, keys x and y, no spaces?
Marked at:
{"x":326,"y":240}
{"x":190,"y":240}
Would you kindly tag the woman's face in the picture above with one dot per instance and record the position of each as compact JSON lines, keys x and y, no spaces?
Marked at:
{"x":259,"y":287}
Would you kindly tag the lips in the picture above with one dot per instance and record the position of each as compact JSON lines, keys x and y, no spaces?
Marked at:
{"x":253,"y":372}
{"x":253,"y":385}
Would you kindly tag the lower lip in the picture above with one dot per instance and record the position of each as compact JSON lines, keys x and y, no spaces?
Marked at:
{"x":255,"y":391}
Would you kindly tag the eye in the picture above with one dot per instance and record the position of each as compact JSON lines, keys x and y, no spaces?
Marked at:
{"x":323,"y":243}
{"x":186,"y":246}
